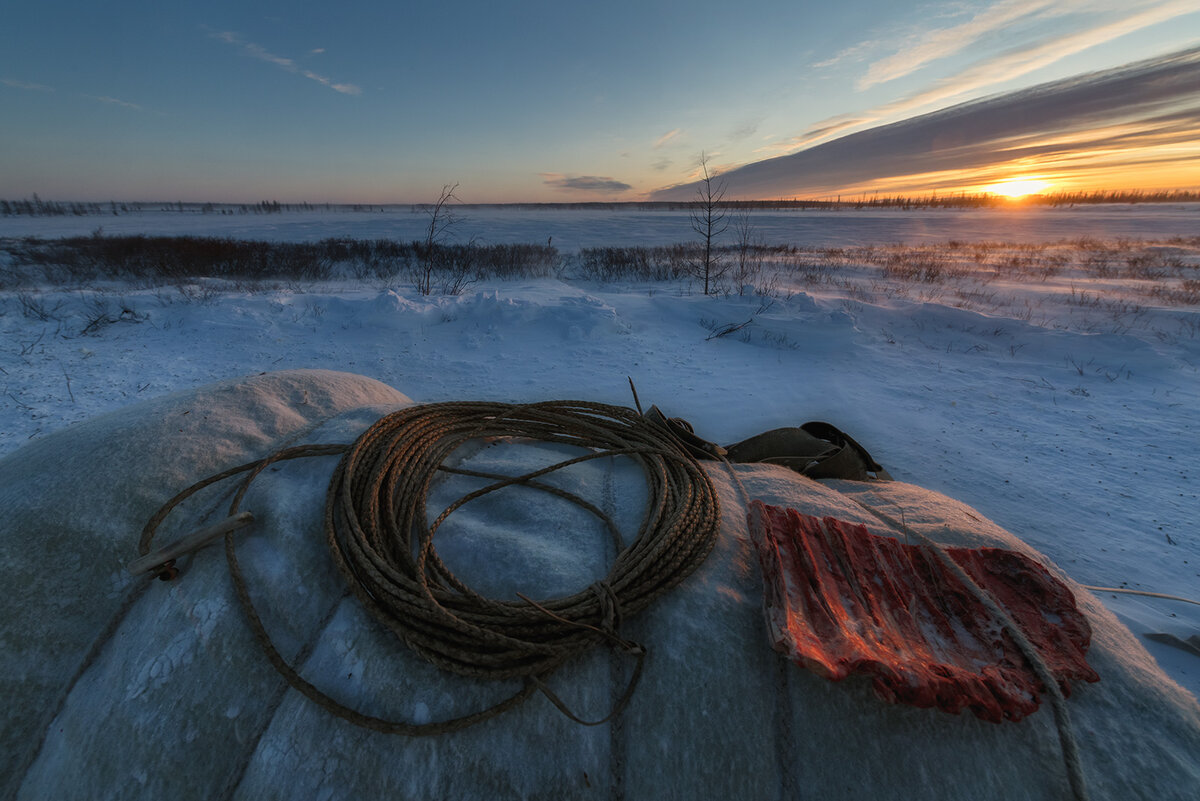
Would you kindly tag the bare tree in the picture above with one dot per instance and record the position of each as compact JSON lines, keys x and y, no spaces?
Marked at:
{"x":746,"y":251}
{"x":708,"y":220}
{"x":441,"y":220}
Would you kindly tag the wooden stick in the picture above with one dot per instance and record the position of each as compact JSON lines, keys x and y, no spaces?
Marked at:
{"x":192,"y":542}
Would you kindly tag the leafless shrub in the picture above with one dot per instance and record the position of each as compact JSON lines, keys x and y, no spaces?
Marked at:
{"x":521,"y":260}
{"x":719,"y":330}
{"x":1146,"y":266}
{"x":708,"y":220}
{"x":442,"y":220}
{"x":99,"y":314}
{"x":203,"y":293}
{"x":1084,"y":299}
{"x":909,"y":267}
{"x":811,"y":271}
{"x":664,"y":263}
{"x":1182,"y":293}
{"x":748,"y":256}
{"x":39,"y":309}
{"x":975,"y":298}
{"x":184,"y":261}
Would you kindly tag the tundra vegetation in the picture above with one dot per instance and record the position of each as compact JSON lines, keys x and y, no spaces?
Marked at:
{"x":1110,"y":282}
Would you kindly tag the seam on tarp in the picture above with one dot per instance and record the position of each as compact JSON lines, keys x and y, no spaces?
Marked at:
{"x":17,"y":779}
{"x":243,"y":764}
{"x":616,"y":727}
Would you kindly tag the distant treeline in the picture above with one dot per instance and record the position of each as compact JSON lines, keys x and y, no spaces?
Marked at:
{"x":36,"y":207}
{"x":961,"y":200}
{"x":988,"y":199}
{"x":156,"y":259}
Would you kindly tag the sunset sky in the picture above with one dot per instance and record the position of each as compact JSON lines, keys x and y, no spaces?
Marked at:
{"x":559,"y":101}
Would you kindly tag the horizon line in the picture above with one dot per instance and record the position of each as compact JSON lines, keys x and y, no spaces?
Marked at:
{"x":9,"y":207}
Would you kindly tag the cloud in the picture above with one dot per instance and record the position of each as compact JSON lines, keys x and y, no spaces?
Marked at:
{"x":931,"y":45}
{"x":989,"y":72}
{"x":255,"y":51}
{"x":35,"y":87}
{"x":344,"y":88}
{"x":1095,"y":124}
{"x":745,"y":130}
{"x":114,"y":101}
{"x":1022,"y":61}
{"x":824,"y":130}
{"x":923,"y":46}
{"x":669,"y":136}
{"x":585,"y":183}
{"x":262,"y":54}
{"x":852,"y":53}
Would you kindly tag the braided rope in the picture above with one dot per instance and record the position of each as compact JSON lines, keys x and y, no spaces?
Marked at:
{"x":381,"y":541}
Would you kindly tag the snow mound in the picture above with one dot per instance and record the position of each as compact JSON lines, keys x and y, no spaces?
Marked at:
{"x":389,"y":302}
{"x":120,"y":687}
{"x":572,"y":317}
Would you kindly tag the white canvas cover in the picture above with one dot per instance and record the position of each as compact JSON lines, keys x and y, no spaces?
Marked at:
{"x":132,"y":688}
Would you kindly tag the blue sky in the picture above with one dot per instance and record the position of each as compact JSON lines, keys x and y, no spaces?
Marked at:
{"x":519,"y":101}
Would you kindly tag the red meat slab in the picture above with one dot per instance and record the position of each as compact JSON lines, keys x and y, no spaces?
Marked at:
{"x":840,"y":601}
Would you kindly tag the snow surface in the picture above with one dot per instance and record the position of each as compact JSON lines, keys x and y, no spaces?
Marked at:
{"x":1062,"y":407}
{"x":571,"y":229}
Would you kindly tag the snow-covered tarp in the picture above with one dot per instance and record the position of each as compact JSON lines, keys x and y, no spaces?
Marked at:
{"x":121,"y":687}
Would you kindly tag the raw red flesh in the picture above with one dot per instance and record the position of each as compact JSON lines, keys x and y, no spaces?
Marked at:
{"x":841,"y":601}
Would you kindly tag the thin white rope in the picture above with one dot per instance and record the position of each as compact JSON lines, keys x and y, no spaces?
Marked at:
{"x":1062,"y":716}
{"x":1140,"y":592}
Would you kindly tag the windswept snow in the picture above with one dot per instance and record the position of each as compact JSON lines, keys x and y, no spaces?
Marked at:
{"x":1062,"y":407}
{"x":571,"y":229}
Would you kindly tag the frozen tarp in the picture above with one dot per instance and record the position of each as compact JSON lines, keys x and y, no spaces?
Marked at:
{"x":132,"y":688}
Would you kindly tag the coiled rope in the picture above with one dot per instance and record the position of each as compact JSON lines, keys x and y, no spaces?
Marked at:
{"x":377,"y":529}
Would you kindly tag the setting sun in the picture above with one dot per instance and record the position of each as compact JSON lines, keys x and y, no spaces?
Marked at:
{"x":1020,"y":188}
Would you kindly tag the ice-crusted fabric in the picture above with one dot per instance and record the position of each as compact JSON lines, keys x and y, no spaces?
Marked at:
{"x":840,"y":601}
{"x":128,"y":689}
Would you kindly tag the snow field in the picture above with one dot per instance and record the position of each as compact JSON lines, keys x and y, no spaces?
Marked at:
{"x":1051,"y":386}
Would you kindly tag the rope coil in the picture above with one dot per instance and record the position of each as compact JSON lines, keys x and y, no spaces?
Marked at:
{"x":377,"y":529}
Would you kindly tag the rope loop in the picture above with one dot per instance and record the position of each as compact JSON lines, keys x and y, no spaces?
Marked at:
{"x":381,"y":540}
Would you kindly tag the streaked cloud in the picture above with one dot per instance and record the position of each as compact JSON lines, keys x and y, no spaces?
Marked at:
{"x":1022,"y":61}
{"x":255,"y":51}
{"x":34,"y":87}
{"x":669,"y":136}
{"x":745,"y":130}
{"x":707,"y":161}
{"x":262,"y":54}
{"x":983,"y":75}
{"x":1078,"y":130}
{"x":585,"y":183}
{"x":344,"y":88}
{"x":852,"y":53}
{"x":930,"y":45}
{"x":827,"y":129}
{"x":37,"y":87}
{"x":911,"y":50}
{"x":115,"y":101}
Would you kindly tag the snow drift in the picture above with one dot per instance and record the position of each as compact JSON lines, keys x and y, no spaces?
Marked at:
{"x":120,"y":687}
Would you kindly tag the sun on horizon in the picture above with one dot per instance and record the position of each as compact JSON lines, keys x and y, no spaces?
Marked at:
{"x":1019,"y":188}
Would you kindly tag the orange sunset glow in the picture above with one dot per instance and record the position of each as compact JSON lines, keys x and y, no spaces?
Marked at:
{"x":1020,"y":187}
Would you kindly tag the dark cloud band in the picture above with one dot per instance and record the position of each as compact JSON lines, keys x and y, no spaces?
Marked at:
{"x":1153,"y":101}
{"x":588,"y":183}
